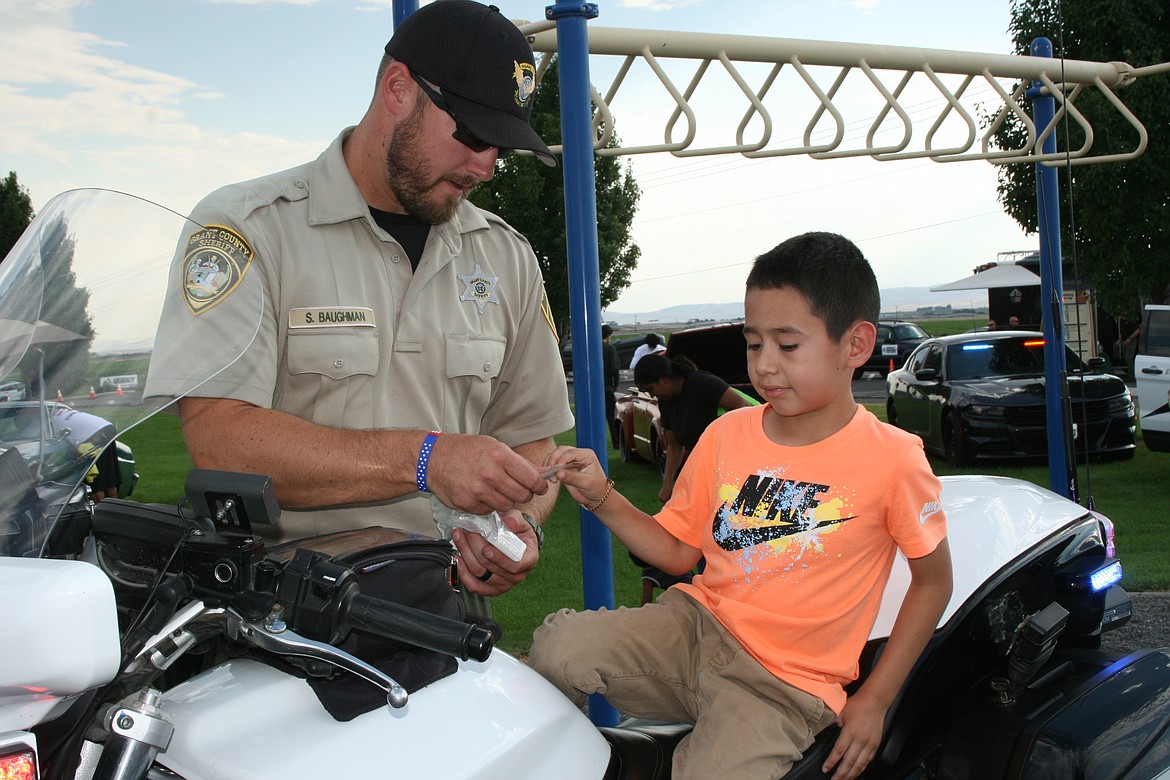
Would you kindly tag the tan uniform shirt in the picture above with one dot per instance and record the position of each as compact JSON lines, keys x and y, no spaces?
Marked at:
{"x":350,"y":337}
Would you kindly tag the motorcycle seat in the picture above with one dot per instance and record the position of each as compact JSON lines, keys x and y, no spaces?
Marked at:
{"x":641,"y":749}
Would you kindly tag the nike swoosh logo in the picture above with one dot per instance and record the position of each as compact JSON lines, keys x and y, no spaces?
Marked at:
{"x":732,"y":539}
{"x":928,"y":511}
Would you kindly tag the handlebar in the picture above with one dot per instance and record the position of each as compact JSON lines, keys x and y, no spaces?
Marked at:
{"x":422,"y":629}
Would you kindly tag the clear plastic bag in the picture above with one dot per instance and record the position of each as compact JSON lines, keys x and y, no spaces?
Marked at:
{"x":489,"y":526}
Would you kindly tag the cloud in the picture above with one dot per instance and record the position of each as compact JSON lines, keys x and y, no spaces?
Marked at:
{"x":76,"y":115}
{"x":59,"y":84}
{"x":659,"y":5}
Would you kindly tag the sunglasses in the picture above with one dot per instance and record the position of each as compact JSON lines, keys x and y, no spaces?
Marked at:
{"x":462,"y":134}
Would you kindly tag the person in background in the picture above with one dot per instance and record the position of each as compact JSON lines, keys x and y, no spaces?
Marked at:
{"x":611,"y":366}
{"x":991,"y":325}
{"x":651,"y":345}
{"x":407,"y":345}
{"x":799,"y":534}
{"x":688,"y":401}
{"x":1014,"y":322}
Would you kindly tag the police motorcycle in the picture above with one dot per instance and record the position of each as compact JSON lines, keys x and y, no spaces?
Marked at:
{"x":158,"y":641}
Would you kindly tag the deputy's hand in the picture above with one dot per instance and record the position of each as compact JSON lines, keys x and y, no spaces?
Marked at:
{"x":483,"y":569}
{"x":479,"y":474}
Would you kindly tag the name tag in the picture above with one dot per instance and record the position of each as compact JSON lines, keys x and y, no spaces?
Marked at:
{"x":331,"y":317}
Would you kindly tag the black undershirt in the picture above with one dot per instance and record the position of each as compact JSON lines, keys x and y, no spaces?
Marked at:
{"x":408,"y":231}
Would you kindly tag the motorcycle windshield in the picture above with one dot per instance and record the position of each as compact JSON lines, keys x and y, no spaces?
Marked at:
{"x":81,"y":295}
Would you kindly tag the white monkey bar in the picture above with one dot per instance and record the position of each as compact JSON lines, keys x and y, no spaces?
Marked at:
{"x":961,"y":88}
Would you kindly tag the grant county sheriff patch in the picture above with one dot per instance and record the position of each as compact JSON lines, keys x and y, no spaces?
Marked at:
{"x":217,"y":259}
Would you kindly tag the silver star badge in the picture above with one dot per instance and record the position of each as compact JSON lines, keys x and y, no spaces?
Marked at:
{"x":481,"y":288}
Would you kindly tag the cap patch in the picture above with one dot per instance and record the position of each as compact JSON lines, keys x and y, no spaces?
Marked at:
{"x":525,"y":75}
{"x":217,"y":259}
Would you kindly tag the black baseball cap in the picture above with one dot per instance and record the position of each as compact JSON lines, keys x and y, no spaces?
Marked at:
{"x":483,"y":65}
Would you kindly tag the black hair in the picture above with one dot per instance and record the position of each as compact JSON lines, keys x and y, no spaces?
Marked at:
{"x":829,"y":271}
{"x":606,"y":331}
{"x":652,"y":339}
{"x":651,"y":368}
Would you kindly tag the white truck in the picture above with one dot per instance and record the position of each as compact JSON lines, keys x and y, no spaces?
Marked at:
{"x":1152,"y":369}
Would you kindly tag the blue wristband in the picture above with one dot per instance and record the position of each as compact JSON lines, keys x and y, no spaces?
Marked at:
{"x":424,"y":458}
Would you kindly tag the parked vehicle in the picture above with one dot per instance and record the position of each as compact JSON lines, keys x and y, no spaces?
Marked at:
{"x":1152,"y":370}
{"x":35,"y":431}
{"x":980,"y":396}
{"x":13,"y":390}
{"x":718,"y":349}
{"x":895,"y":341}
{"x":625,"y":344}
{"x":168,"y":642}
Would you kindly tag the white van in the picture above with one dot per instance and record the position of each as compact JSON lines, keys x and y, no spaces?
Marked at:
{"x":1152,"y":369}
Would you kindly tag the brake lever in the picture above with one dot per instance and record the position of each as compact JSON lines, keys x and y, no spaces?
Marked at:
{"x":273,"y":636}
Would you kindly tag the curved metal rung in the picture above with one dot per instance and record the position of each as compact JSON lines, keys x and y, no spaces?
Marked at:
{"x":731,"y":50}
{"x":757,"y":107}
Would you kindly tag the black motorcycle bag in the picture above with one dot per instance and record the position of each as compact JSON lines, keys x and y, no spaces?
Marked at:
{"x":396,"y":566}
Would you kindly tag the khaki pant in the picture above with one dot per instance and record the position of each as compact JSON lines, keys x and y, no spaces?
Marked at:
{"x":672,"y":660}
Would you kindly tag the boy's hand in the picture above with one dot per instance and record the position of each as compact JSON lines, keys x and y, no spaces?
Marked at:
{"x":579,"y":470}
{"x":861,"y":720}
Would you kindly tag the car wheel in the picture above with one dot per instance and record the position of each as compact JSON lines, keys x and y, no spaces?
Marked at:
{"x":627,"y":455}
{"x":891,"y":413}
{"x":955,"y":448}
{"x":659,"y":455}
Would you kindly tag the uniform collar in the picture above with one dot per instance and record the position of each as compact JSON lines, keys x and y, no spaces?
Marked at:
{"x":334,"y":197}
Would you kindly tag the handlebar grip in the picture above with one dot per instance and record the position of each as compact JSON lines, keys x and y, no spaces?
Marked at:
{"x":422,"y":629}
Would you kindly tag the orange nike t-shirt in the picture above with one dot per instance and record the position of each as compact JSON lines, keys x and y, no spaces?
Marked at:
{"x":799,"y":540}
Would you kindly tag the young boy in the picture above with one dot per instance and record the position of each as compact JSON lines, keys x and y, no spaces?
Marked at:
{"x":799,"y":506}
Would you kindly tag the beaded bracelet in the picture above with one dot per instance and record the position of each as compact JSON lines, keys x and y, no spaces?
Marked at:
{"x":424,"y":458}
{"x":608,"y":490}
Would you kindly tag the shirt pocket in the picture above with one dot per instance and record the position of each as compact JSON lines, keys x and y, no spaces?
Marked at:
{"x":330,"y":375}
{"x":473,"y":363}
{"x":337,"y":355}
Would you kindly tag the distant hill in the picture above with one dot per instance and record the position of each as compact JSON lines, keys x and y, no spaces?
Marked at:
{"x":896,"y":301}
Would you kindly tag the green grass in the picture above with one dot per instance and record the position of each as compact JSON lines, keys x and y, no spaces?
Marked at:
{"x":1131,"y":493}
{"x":160,"y":457}
{"x":950,"y":327}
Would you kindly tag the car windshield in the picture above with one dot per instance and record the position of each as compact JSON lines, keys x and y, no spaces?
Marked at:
{"x":1022,"y":356}
{"x":908,"y":331}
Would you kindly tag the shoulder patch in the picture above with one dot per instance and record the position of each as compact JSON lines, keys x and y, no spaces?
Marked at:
{"x":546,"y":310}
{"x":216,"y":261}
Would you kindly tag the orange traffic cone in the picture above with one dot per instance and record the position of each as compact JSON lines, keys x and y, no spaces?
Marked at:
{"x":119,"y":390}
{"x":891,"y":365}
{"x":92,"y":394}
{"x":60,"y":397}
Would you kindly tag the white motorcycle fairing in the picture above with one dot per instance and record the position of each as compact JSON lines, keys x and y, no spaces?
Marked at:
{"x":245,"y":720}
{"x":992,"y":520}
{"x":50,"y":609}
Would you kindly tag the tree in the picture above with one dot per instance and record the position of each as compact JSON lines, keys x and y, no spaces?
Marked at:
{"x":530,"y":196}
{"x":16,"y":212}
{"x":1117,"y":220}
{"x":65,"y":305}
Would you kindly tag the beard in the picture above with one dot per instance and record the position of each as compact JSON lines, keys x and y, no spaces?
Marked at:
{"x":408,"y":179}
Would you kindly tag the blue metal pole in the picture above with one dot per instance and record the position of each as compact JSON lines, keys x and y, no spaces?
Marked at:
{"x":1051,"y":287}
{"x":584,"y":294}
{"x":402,"y":9}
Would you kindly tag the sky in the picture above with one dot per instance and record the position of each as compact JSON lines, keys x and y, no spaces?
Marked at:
{"x":169,"y":100}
